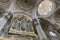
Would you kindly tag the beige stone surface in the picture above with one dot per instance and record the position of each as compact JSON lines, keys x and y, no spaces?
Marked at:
{"x":14,"y":38}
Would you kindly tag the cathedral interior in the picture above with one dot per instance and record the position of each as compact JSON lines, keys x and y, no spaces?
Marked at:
{"x":29,"y":20}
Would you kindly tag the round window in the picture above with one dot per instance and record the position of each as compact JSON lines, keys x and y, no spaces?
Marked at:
{"x":46,"y":8}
